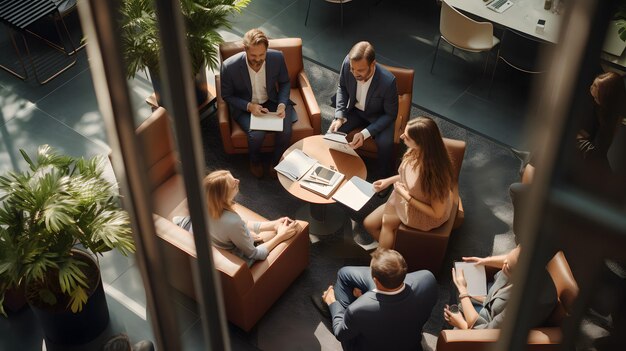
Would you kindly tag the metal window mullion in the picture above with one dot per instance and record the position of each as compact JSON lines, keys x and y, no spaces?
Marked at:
{"x":570,"y":69}
{"x":99,"y":22}
{"x":181,"y":103}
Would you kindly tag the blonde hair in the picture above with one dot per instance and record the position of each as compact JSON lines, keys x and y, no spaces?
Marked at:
{"x":436,"y":172}
{"x":255,"y":37}
{"x":218,"y":193}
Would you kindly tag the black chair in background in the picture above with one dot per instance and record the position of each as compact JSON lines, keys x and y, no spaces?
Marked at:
{"x":521,"y":52}
{"x":20,"y":18}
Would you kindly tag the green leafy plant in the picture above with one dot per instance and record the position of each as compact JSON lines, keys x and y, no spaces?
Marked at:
{"x":620,"y":17}
{"x":59,"y":204}
{"x":202,"y":18}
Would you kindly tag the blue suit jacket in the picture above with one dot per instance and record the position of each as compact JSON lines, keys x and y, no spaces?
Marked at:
{"x":387,"y":322}
{"x":237,"y":88}
{"x":381,"y":104}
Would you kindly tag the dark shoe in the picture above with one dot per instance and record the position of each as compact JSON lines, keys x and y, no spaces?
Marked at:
{"x":321,"y":306}
{"x":256,"y":169}
{"x":523,"y":157}
{"x":362,"y":238}
{"x":383,"y":193}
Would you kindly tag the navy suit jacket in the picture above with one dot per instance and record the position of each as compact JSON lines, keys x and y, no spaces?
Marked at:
{"x":387,"y":322}
{"x":381,"y":104}
{"x":237,"y":88}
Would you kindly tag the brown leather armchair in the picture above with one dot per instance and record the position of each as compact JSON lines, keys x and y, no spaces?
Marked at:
{"x":426,"y":249}
{"x":544,"y":338}
{"x":309,"y":118}
{"x":248,"y":291}
{"x":404,"y":82}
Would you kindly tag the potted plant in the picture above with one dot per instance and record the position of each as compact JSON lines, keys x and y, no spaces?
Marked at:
{"x":53,"y":218}
{"x":203,"y":18}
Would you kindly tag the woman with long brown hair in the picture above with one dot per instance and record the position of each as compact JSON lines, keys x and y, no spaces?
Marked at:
{"x":229,"y":231}
{"x":421,"y":196}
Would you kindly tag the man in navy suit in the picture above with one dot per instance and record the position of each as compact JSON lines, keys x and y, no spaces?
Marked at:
{"x":367,"y":97}
{"x":380,"y":307}
{"x":256,"y":81}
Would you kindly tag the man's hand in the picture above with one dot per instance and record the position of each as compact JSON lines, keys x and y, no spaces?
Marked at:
{"x":335,"y":125}
{"x":357,"y":140}
{"x":357,"y":292}
{"x":280,"y":110}
{"x":257,"y":109}
{"x":459,"y":281}
{"x":329,"y":295}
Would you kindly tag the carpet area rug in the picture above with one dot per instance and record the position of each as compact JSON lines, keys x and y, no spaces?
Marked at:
{"x":293,"y":322}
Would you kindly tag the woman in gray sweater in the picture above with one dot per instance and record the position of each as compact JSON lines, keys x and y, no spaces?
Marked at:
{"x":249,"y":240}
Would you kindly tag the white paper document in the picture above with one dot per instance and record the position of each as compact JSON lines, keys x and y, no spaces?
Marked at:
{"x":314,"y":180}
{"x":338,"y":141}
{"x":269,"y":122}
{"x":355,"y":193}
{"x":475,"y":277}
{"x":295,"y":165}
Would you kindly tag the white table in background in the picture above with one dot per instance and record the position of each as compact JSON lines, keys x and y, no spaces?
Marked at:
{"x":522,"y":16}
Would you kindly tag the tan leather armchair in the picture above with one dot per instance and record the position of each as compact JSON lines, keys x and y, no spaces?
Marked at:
{"x":404,"y":82}
{"x":309,"y":115}
{"x":426,"y":249}
{"x":544,"y":338}
{"x":248,"y":292}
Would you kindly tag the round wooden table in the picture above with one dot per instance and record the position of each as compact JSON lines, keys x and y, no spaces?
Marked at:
{"x":321,"y":221}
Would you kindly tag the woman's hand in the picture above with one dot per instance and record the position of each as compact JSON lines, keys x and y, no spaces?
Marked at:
{"x":277,"y":222}
{"x":381,"y":184}
{"x":459,"y":280}
{"x":287,"y":229}
{"x":476,"y":260}
{"x":454,"y":319}
{"x":402,"y":190}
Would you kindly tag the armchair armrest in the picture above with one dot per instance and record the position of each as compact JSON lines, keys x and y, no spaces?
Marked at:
{"x":309,"y":101}
{"x":223,"y":117}
{"x":399,"y":127}
{"x":236,"y":276}
{"x":483,"y":339}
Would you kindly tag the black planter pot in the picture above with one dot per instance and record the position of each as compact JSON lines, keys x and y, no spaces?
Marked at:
{"x":200,"y":85}
{"x":67,"y":328}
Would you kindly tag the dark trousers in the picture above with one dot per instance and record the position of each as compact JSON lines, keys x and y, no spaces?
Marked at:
{"x":385,"y":162}
{"x":256,"y":137}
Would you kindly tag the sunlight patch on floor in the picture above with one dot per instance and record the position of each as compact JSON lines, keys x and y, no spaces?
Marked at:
{"x":125,"y":301}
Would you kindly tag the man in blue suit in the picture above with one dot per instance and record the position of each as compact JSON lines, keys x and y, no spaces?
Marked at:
{"x":256,"y":81}
{"x":367,"y":97}
{"x":380,"y":307}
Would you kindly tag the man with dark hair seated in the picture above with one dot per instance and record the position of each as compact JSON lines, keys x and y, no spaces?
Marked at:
{"x":380,"y":307}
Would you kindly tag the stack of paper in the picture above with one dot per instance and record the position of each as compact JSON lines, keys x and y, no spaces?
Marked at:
{"x":355,"y":193}
{"x":295,"y":165}
{"x":338,"y":141}
{"x":269,"y":122}
{"x":321,"y":180}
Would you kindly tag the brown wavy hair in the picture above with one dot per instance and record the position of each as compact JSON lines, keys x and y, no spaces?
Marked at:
{"x":436,"y":167}
{"x":218,"y":193}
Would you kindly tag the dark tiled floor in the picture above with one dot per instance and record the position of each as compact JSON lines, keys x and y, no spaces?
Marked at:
{"x":64,"y":113}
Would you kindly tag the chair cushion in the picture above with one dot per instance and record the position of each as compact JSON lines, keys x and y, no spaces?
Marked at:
{"x":301,"y":129}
